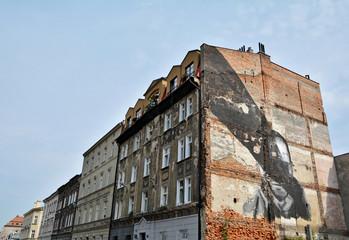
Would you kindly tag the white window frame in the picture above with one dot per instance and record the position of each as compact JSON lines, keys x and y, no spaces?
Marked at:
{"x":174,"y":81}
{"x":118,"y":209}
{"x":146,"y":167}
{"x":187,"y":189}
{"x":168,"y":121}
{"x":181,"y":149}
{"x":166,"y":154}
{"x":189,"y":70}
{"x":180,"y":192}
{"x":133,"y":174}
{"x":189,"y":106}
{"x":144,"y":204}
{"x":164,"y":196}
{"x":137,"y":143}
{"x":188,"y":145}
{"x":149,"y":134}
{"x":131,"y":202}
{"x":182,"y":111}
{"x":121,"y":179}
{"x":138,"y":114}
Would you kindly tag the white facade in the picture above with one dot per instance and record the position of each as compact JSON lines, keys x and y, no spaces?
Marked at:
{"x":48,"y":217}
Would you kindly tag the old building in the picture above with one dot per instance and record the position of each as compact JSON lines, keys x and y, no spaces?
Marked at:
{"x":14,"y":226}
{"x":342,"y":168}
{"x":31,"y":222}
{"x":92,"y":217}
{"x":157,"y":179}
{"x":66,"y":209}
{"x":48,"y":216}
{"x":228,"y":145}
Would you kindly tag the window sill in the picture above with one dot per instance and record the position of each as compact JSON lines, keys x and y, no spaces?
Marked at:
{"x":165,"y":168}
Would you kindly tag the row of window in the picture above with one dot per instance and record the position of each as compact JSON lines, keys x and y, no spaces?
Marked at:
{"x":64,"y":222}
{"x":183,"y":196}
{"x":92,"y":164}
{"x":90,"y":217}
{"x":67,"y":200}
{"x":93,"y":187}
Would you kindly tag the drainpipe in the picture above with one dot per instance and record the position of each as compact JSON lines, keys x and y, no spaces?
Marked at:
{"x":199,"y":205}
{"x":114,"y":190}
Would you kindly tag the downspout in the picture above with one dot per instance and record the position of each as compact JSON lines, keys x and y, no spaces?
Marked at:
{"x":114,"y":190}
{"x":199,"y":205}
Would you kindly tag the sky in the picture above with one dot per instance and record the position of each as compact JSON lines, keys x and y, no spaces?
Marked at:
{"x":69,"y":71}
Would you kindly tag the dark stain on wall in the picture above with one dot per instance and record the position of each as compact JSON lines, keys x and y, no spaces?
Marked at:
{"x":281,"y":194}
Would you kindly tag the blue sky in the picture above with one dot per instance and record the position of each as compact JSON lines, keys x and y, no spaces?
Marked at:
{"x":69,"y":70}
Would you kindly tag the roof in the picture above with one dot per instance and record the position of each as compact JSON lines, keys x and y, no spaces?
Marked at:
{"x":17,"y":221}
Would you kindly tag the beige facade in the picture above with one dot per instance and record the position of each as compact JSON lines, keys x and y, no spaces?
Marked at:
{"x":31,"y":222}
{"x":92,"y":217}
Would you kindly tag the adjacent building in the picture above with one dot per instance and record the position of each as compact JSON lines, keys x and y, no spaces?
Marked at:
{"x":342,"y":168}
{"x":228,"y":145}
{"x":14,"y":226}
{"x":48,"y":217}
{"x":31,"y":222}
{"x":66,"y":209}
{"x":92,"y":218}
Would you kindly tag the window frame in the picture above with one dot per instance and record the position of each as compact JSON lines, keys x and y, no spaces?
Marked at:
{"x":167,"y":121}
{"x":146,"y":170}
{"x":166,"y":154}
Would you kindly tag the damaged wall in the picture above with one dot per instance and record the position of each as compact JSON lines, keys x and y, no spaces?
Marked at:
{"x":267,"y":155}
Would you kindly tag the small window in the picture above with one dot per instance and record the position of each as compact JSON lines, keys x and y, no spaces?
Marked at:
{"x":173,"y":84}
{"x":164,"y":196}
{"x":189,"y":71}
{"x":166,"y":157}
{"x":133,"y":174}
{"x":167,"y":124}
{"x":146,"y":167}
{"x":181,"y":111}
{"x":144,"y":205}
{"x":138,"y":114}
{"x":189,"y":107}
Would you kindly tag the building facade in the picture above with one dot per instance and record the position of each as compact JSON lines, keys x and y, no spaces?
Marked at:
{"x":31,"y":222}
{"x":66,"y":209}
{"x":92,"y":218}
{"x":48,"y":216}
{"x":14,"y":226}
{"x":342,"y":168}
{"x":228,"y":145}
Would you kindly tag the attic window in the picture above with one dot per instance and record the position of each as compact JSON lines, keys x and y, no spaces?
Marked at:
{"x":189,"y":71}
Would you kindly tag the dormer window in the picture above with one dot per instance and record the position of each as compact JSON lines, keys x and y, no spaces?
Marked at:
{"x":128,"y":124}
{"x":173,"y":84}
{"x":138,"y":114}
{"x":189,"y":71}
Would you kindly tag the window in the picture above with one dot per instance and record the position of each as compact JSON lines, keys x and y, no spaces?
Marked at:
{"x":184,"y":190}
{"x":136,"y":143}
{"x":90,"y":215}
{"x":146,"y":167}
{"x":185,"y":147}
{"x":84,"y":218}
{"x":180,"y":192}
{"x":166,"y":157}
{"x":183,"y":234}
{"x":35,"y":220}
{"x":167,"y":124}
{"x":164,"y":196}
{"x":173,"y":84}
{"x":88,"y":188}
{"x":108,"y":179}
{"x":112,"y":149}
{"x":189,"y":106}
{"x":144,"y":205}
{"x":79,"y":217}
{"x":101,"y":182}
{"x":33,"y":234}
{"x":181,"y":111}
{"x":133,"y":174}
{"x":87,"y":166}
{"x":124,"y":151}
{"x":149,"y":133}
{"x":138,"y":114}
{"x":121,"y":179}
{"x":94,"y":184}
{"x":82,"y":191}
{"x":163,"y":235}
{"x":92,"y":163}
{"x":128,"y":123}
{"x":189,"y":71}
{"x":130,"y":204}
{"x":105,"y":154}
{"x":97,"y":212}
{"x":118,"y":209}
{"x":98,"y":158}
{"x":187,"y":192}
{"x":105,"y":209}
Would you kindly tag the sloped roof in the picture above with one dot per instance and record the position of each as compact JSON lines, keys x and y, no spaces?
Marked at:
{"x":17,"y":221}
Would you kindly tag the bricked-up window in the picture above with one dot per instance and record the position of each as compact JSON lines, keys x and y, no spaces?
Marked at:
{"x":133,"y":174}
{"x":88,"y":187}
{"x":189,"y":106}
{"x":146,"y":167}
{"x":121,"y":179}
{"x":109,"y":175}
{"x":118,"y":209}
{"x":130,"y":204}
{"x":173,"y":84}
{"x":166,"y":157}
{"x":187,"y":191}
{"x":189,"y":71}
{"x":97,"y":212}
{"x":136,"y":143}
{"x":182,"y":111}
{"x":90,"y":215}
{"x":84,"y":218}
{"x":180,"y":191}
{"x":149,"y":133}
{"x":101,"y":182}
{"x":164,"y":196}
{"x":144,"y":204}
{"x":167,"y":124}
